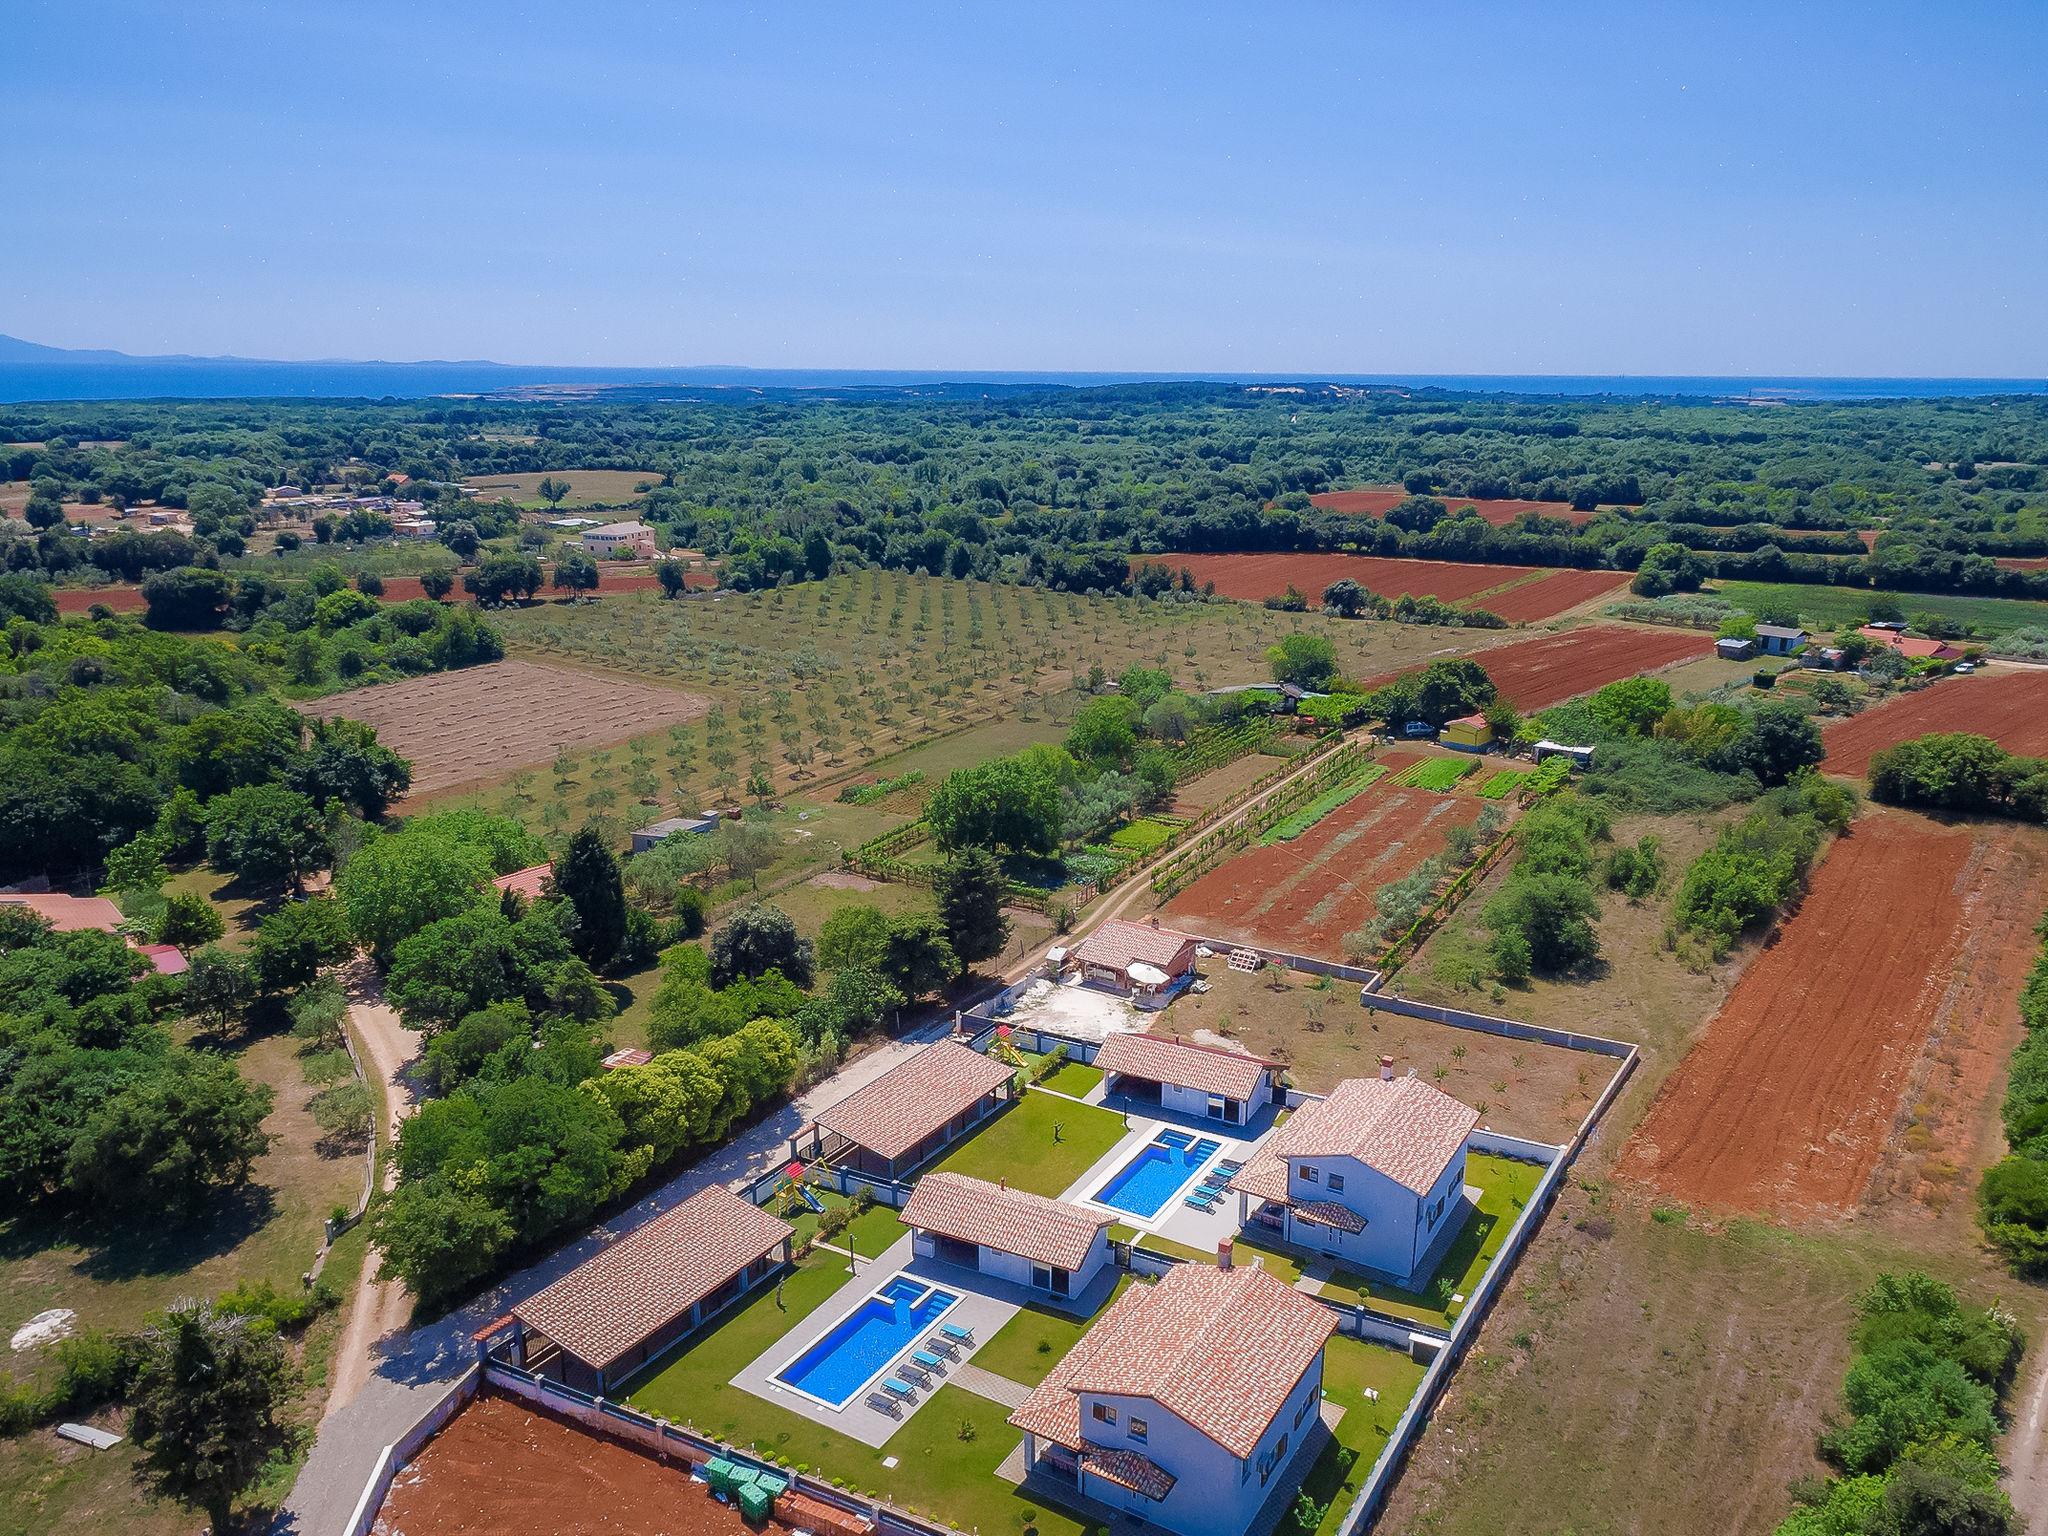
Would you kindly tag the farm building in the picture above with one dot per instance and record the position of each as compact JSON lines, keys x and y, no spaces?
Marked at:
{"x":1910,"y":647}
{"x":1467,"y":733}
{"x":1780,"y":640}
{"x":612,"y":1314}
{"x":1582,"y":757}
{"x":1191,"y":1403}
{"x":1007,"y":1233}
{"x":530,"y":882}
{"x":78,"y":914}
{"x":414,"y":528}
{"x":1373,"y":1175}
{"x":1734,"y":648}
{"x":906,"y":1115}
{"x":646,"y":837}
{"x":1143,"y":959}
{"x":608,"y":539}
{"x":1206,"y":1080}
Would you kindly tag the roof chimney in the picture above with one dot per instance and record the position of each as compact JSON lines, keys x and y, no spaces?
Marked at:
{"x":1155,"y":919}
{"x":1223,"y":1253}
{"x":1002,"y":1181}
{"x":1386,"y":1069}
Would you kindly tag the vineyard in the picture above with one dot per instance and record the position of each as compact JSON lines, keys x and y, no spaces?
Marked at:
{"x":1338,"y":764}
{"x":1292,"y":826}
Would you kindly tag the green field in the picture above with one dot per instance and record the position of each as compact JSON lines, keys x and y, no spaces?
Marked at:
{"x":1504,"y":783}
{"x":1834,"y":608}
{"x":1290,"y":827}
{"x":1438,"y":773}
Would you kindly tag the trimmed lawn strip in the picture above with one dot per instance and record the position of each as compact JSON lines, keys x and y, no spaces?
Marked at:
{"x":1291,"y":827}
{"x":1029,"y":1345}
{"x":1042,"y":1144}
{"x":1349,"y":1367}
{"x":1505,"y":1186}
{"x":1076,"y":1077}
{"x":948,"y":1451}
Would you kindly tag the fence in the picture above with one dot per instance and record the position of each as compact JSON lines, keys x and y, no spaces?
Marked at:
{"x":406,"y":1446}
{"x":1512,"y":1029}
{"x":333,"y":1228}
{"x":1396,"y":954}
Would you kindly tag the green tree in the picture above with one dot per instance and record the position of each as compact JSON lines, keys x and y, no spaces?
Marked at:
{"x":265,"y":833}
{"x":209,"y":1394}
{"x":1006,"y":802}
{"x":971,"y":891}
{"x":188,"y":920}
{"x":398,"y":884}
{"x":438,"y":1237}
{"x":1552,"y":917}
{"x":167,"y":1144}
{"x":587,"y":877}
{"x":437,"y":583}
{"x":343,"y":761}
{"x":757,"y":939}
{"x":1668,"y":568}
{"x":854,"y":935}
{"x":554,"y":492}
{"x":575,"y":572}
{"x":918,"y":960}
{"x":1104,"y":732}
{"x":1307,"y":661}
{"x":1632,"y":706}
{"x":670,"y":574}
{"x":295,"y":941}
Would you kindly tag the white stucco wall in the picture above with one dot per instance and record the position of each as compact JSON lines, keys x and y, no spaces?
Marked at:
{"x":1008,"y":1266}
{"x":1398,"y":1232}
{"x":1192,"y":1101}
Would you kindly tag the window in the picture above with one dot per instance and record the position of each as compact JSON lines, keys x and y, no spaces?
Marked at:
{"x":1219,"y":1108}
{"x":1436,"y":1211}
{"x":1336,"y":1183}
{"x":1104,"y":1414}
{"x":1268,"y":1463}
{"x":1302,"y":1412}
{"x":1310,"y":1174}
{"x":1139,"y":1428}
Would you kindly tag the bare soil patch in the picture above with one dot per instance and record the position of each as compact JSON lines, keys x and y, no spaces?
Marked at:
{"x":122,"y":599}
{"x":484,"y":721}
{"x":500,"y":1467}
{"x":587,"y":487}
{"x":1535,"y":674}
{"x":1219,"y":785}
{"x":2009,"y":707}
{"x":1306,"y":893}
{"x":1548,"y":596}
{"x":1255,"y":577}
{"x":1910,"y":942}
{"x":1499,"y":511}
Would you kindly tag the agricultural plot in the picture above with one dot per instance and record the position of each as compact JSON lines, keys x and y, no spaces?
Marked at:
{"x":2009,"y":707}
{"x":1441,"y":774}
{"x":1304,"y":895}
{"x":587,"y":487}
{"x":1501,"y":784}
{"x":1839,"y":607}
{"x":1292,"y":826}
{"x":1552,"y":594}
{"x":481,"y":721}
{"x":1260,"y":576}
{"x":1892,"y":986}
{"x":1378,"y":501}
{"x":1537,"y":673}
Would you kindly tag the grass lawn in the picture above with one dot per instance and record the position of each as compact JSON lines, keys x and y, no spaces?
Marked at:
{"x":872,"y":1231}
{"x":1836,"y":607}
{"x":947,"y":1452}
{"x":1077,"y":1078}
{"x":241,"y":905}
{"x":1505,"y":1186}
{"x":1029,"y":1345}
{"x":1021,"y":1144}
{"x":1349,"y":1367}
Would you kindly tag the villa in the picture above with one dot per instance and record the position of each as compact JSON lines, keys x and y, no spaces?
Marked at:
{"x":906,"y":1115}
{"x":634,"y":1301}
{"x":1189,"y":1403}
{"x":1373,"y":1175}
{"x":1210,"y":1081}
{"x":1007,"y":1233}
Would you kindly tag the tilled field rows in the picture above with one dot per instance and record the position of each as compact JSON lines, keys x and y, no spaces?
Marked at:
{"x":2009,"y":707}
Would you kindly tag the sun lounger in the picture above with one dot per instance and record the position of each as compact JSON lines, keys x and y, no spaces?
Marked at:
{"x":914,"y":1371}
{"x":941,"y":1344}
{"x":883,"y":1402}
{"x":898,"y":1388}
{"x":1198,"y":1203}
{"x":928,"y":1361}
{"x":1227,"y":1167}
{"x":956,"y":1333}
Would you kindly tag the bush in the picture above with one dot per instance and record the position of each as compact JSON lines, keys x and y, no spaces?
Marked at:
{"x":1637,"y":871}
{"x":286,"y":1312}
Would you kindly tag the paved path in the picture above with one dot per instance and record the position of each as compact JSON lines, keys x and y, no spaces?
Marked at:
{"x":997,"y":1389}
{"x":410,"y":1370}
{"x":2026,"y":1450}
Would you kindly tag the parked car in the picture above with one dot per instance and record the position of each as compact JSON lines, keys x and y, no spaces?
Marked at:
{"x":1418,"y":728}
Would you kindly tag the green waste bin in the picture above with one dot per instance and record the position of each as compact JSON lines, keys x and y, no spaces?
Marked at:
{"x":718,"y":1472}
{"x":755,"y":1501}
{"x":773,"y":1485}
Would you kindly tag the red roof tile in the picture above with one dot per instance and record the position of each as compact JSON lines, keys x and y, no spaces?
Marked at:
{"x":1407,"y":1129}
{"x":1220,"y":1349}
{"x":899,"y":1109}
{"x":69,"y":914}
{"x":1128,"y":1469}
{"x":1120,"y":944}
{"x":1030,"y":1226}
{"x":1163,"y":1059}
{"x":528,"y":882}
{"x":608,"y":1304}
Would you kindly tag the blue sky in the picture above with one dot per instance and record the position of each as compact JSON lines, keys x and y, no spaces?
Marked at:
{"x":1551,"y":187}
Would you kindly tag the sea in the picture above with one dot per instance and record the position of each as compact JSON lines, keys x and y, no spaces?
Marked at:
{"x":242,"y":379}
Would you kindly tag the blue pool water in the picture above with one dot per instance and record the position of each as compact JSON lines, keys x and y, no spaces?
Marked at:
{"x":1161,"y":1166}
{"x":866,"y":1339}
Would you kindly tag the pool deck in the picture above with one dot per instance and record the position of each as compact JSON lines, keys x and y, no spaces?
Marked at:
{"x":985,"y":1304}
{"x":1173,"y":1218}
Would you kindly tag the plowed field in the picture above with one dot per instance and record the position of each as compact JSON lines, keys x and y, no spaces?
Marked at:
{"x":81,"y":599}
{"x":1548,"y":596}
{"x":484,"y":721}
{"x":1256,"y":577}
{"x":1378,"y":503}
{"x":1305,"y":894}
{"x":1535,"y":674}
{"x":2009,"y":707}
{"x":1891,"y":990}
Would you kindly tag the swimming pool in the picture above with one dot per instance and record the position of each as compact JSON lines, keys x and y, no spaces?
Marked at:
{"x":1144,"y":1184}
{"x":855,"y":1350}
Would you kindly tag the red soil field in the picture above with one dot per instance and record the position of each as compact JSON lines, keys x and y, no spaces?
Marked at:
{"x":2023,"y":562}
{"x":1379,"y":502}
{"x":485,"y":721}
{"x":1257,"y":577}
{"x":1537,"y":673}
{"x":81,"y":599}
{"x":1548,"y":596}
{"x":1305,"y":894}
{"x":2009,"y":707}
{"x":501,"y":1468}
{"x":1901,"y":966}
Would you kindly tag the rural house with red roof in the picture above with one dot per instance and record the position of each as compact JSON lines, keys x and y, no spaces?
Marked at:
{"x":1373,"y":1175}
{"x":613,"y":1313}
{"x":1191,"y":1403}
{"x":1909,"y":647}
{"x":905,"y":1116}
{"x":1209,"y":1081}
{"x":1142,"y":959}
{"x":1009,"y":1234}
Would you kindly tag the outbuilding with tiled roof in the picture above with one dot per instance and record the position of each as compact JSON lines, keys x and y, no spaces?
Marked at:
{"x":1191,"y":1402}
{"x":1146,"y":960}
{"x":1373,"y":1175}
{"x":1010,"y":1234}
{"x":909,"y":1113}
{"x":1212,"y":1081}
{"x":627,"y":1305}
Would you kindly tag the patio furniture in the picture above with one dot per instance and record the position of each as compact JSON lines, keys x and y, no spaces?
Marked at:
{"x":898,"y":1388}
{"x":942,"y":1344}
{"x":1198,"y":1203}
{"x":956,"y":1333}
{"x":882,"y":1402}
{"x":1229,"y":1167}
{"x":914,"y":1371}
{"x":927,"y":1360}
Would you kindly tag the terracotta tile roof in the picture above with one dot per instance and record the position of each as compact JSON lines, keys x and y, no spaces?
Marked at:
{"x":1119,"y":944}
{"x":902,"y":1107}
{"x":1908,"y":646}
{"x":1407,"y":1129}
{"x":627,"y":1056}
{"x":527,"y":882}
{"x":1329,"y":1213}
{"x":69,"y":914}
{"x":1032,"y":1227}
{"x":647,"y":1279}
{"x":1220,"y":1349}
{"x":168,"y":959}
{"x":1128,"y":1469}
{"x":1162,"y":1059}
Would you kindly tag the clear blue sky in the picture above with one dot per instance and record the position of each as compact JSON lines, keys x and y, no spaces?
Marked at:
{"x":1550,"y":187}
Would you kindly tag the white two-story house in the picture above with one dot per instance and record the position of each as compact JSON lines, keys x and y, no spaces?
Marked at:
{"x":1190,"y":1403}
{"x":1373,"y":1175}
